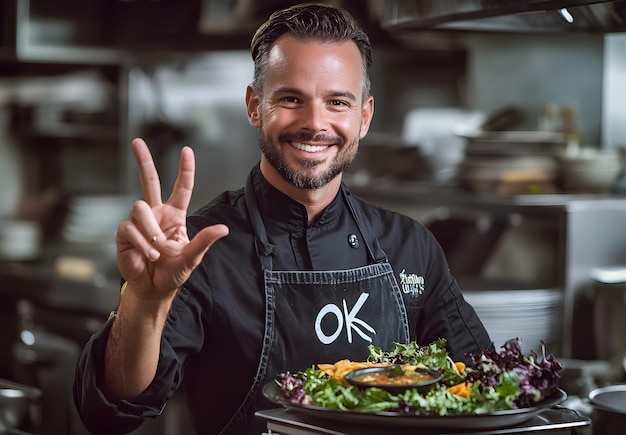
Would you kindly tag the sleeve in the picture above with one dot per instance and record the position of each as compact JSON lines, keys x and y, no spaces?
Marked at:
{"x":101,"y":416}
{"x":437,"y":309}
{"x":447,"y":314}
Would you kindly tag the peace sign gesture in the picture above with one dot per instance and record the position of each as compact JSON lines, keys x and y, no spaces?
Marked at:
{"x":154,"y":253}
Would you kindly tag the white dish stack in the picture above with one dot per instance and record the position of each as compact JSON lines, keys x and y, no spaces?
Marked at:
{"x":20,"y":240}
{"x":94,"y":218}
{"x":532,"y":315}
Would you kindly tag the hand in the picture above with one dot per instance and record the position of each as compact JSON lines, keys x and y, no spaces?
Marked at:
{"x":154,"y":253}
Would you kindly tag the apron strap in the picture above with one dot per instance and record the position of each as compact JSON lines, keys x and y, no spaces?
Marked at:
{"x":376,"y":252}
{"x":264,"y":249}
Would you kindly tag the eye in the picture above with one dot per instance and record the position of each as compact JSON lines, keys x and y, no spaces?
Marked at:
{"x":339,"y":103}
{"x":290,"y":99}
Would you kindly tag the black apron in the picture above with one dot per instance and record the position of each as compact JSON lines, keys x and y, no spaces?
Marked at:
{"x":316,"y":317}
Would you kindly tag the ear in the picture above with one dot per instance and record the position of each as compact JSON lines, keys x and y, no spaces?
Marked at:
{"x":366,"y":115}
{"x":252,"y":106}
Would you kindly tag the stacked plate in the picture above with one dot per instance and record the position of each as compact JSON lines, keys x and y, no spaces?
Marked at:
{"x":508,"y":173}
{"x":94,"y":218}
{"x":510,"y":161}
{"x":532,"y":315}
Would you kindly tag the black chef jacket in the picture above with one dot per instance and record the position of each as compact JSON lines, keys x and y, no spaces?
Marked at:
{"x":213,"y":335}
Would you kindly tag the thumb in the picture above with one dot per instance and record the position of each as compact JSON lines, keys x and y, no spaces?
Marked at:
{"x":202,"y":241}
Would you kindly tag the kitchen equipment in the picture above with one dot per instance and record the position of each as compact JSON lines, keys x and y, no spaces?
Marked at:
{"x":13,"y":407}
{"x":590,"y":170}
{"x":503,"y":119}
{"x":520,"y":16}
{"x":609,"y":319}
{"x":435,"y":132}
{"x":557,"y":420}
{"x":16,"y":400}
{"x":609,"y":409}
{"x":48,"y":361}
{"x":384,"y":157}
{"x":94,"y":218}
{"x":403,"y":423}
{"x":19,"y":240}
{"x":510,"y":161}
{"x":508,"y":173}
{"x":508,"y":310}
{"x":512,"y":142}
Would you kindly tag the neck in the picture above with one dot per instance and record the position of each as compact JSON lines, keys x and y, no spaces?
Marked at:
{"x":314,"y":200}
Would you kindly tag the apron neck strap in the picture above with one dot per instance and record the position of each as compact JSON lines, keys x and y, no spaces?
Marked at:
{"x":264,"y":249}
{"x":376,"y":252}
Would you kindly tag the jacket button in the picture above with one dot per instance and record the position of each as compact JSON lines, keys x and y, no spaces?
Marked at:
{"x":353,"y":240}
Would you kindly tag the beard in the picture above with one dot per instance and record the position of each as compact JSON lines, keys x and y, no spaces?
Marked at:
{"x":303,"y":176}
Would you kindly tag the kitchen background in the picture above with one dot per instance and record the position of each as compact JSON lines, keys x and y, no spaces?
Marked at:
{"x":79,"y":80}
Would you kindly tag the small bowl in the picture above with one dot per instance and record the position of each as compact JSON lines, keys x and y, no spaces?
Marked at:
{"x":433,"y":376}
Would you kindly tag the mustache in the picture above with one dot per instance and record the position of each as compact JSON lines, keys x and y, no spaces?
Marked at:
{"x":310,"y":138}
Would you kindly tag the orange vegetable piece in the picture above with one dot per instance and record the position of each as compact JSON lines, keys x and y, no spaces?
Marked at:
{"x":461,"y":390}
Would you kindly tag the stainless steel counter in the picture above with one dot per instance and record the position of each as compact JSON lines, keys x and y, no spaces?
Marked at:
{"x":281,"y":421}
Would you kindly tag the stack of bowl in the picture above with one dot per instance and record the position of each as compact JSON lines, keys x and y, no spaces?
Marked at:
{"x":590,"y":170}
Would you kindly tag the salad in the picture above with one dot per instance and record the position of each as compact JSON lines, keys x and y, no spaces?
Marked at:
{"x":492,"y":381}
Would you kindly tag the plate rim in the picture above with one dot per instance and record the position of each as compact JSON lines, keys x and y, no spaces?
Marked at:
{"x":508,"y":417}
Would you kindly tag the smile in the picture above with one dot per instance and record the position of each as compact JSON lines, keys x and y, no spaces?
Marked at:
{"x":309,"y":148}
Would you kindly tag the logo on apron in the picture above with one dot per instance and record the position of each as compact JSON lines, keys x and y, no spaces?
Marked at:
{"x":350,"y":318}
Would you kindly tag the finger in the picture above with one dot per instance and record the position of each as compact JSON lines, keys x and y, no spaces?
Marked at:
{"x":148,"y":175}
{"x":183,"y":187}
{"x":143,"y":218}
{"x":200,"y":244}
{"x":128,"y":235}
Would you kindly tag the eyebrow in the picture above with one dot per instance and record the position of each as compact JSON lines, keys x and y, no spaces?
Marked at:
{"x":337,"y":94}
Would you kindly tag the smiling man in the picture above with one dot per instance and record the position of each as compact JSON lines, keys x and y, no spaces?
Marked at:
{"x":312,"y":114}
{"x":289,"y":271}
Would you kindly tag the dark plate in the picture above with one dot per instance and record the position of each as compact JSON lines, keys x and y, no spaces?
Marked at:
{"x":510,"y":417}
{"x":422,"y":387}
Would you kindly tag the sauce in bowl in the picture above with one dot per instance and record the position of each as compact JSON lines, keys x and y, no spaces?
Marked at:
{"x":395,"y":379}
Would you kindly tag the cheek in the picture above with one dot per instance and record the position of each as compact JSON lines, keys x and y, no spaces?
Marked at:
{"x":273,"y":118}
{"x":350,"y":127}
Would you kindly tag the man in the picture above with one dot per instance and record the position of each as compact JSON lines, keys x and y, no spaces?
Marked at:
{"x":299,"y":271}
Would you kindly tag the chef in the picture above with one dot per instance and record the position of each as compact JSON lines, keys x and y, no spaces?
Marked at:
{"x":289,"y":271}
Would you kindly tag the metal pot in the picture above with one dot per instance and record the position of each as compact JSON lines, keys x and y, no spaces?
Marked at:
{"x":609,"y":409}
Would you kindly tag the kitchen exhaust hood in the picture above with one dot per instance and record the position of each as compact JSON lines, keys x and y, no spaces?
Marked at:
{"x":520,"y":16}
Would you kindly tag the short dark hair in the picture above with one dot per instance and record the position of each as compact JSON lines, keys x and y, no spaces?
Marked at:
{"x":305,"y":22}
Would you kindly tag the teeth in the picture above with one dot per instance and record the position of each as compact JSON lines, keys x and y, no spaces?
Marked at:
{"x":309,"y":148}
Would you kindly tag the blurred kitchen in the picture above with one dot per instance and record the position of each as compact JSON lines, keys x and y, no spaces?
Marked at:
{"x":501,"y":129}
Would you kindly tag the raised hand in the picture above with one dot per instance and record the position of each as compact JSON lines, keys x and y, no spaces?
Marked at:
{"x":154,"y":253}
{"x":155,"y":257}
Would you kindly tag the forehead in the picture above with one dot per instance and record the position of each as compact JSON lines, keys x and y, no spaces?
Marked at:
{"x":312,"y":61}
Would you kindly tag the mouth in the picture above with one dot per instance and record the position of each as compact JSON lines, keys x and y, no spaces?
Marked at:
{"x":309,"y":148}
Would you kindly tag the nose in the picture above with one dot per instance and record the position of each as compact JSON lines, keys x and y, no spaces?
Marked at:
{"x":315,"y":117}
